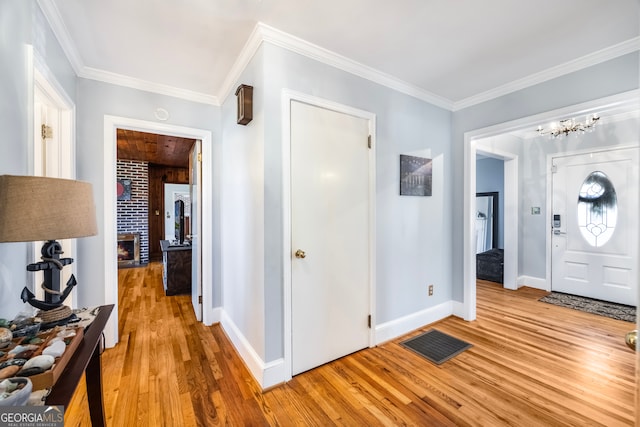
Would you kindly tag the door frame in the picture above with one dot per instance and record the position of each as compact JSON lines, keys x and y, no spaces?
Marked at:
{"x":111,"y":124}
{"x":471,"y":146}
{"x":510,"y":228}
{"x":48,"y":91}
{"x":289,"y":96}
{"x":549,"y":196}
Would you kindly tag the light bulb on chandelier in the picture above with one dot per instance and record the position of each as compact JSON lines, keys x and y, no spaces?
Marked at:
{"x":565,"y":127}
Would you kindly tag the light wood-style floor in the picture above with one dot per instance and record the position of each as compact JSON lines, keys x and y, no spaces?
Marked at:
{"x":531,"y":364}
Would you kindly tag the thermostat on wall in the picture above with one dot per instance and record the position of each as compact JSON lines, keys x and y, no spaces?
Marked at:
{"x":535,"y":210}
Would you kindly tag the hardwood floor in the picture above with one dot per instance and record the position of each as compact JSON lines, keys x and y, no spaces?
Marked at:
{"x":531,"y":364}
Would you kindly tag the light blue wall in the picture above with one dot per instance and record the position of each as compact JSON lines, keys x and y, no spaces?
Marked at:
{"x":22,"y":26}
{"x":490,"y":178}
{"x":94,"y":101}
{"x":413,"y":243}
{"x":609,"y":78}
{"x":243,"y":251}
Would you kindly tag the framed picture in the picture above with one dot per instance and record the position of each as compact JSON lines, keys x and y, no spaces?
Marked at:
{"x":415,"y":176}
{"x":123,"y":188}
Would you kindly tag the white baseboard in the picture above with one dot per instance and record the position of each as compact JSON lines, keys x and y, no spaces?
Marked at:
{"x":273,"y":373}
{"x":266,"y":374}
{"x":395,"y":328}
{"x":213,"y":316}
{"x":458,"y":309}
{"x":533,"y":282}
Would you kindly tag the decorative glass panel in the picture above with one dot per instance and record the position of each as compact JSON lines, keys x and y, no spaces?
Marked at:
{"x":597,"y":209}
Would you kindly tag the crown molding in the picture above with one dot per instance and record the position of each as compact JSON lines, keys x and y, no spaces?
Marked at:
{"x":589,"y":60}
{"x":144,"y":85}
{"x":265,"y":33}
{"x":292,"y":43}
{"x":52,"y":15}
{"x":242,"y":61}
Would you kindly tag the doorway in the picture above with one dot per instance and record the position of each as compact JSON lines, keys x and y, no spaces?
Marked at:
{"x":111,"y":124}
{"x":329,"y":279}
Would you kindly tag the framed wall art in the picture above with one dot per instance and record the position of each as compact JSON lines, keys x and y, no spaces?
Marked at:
{"x":123,"y":188}
{"x":415,"y":176}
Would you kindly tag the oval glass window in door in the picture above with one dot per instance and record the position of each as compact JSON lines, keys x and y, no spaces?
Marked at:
{"x":597,"y":209}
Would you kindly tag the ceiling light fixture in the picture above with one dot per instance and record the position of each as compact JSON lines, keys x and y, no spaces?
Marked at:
{"x":565,"y":127}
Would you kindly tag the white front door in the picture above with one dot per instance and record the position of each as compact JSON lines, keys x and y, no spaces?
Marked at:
{"x":595,"y":225}
{"x":330,"y":211}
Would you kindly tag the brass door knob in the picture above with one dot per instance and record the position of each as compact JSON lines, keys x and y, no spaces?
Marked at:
{"x":300,"y":253}
{"x":631,"y":339}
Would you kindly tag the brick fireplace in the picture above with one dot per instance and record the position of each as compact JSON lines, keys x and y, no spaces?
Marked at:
{"x":128,"y":249}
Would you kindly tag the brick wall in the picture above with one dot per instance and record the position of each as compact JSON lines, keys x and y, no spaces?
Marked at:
{"x":133,"y":215}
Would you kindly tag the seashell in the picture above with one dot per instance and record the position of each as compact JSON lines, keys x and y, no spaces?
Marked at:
{"x":9,"y":371}
{"x":66,"y":333}
{"x":5,"y":335}
{"x":34,"y":370}
{"x":43,"y":361}
{"x":56,"y":349}
{"x":25,"y":354}
{"x":13,"y":362}
{"x":20,"y":348}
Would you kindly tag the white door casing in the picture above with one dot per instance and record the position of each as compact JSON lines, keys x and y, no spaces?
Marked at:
{"x":329,"y":217}
{"x":195,"y":187}
{"x":53,"y":156}
{"x":111,"y":125}
{"x":600,"y":259}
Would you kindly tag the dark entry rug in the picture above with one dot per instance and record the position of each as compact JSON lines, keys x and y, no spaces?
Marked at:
{"x":436,"y":346}
{"x":590,"y":305}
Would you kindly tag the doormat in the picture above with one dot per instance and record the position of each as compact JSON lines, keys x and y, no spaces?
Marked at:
{"x":590,"y":305}
{"x":436,"y":346}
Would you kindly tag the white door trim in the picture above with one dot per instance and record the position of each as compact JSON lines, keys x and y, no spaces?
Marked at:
{"x":510,"y":211}
{"x":470,"y":140}
{"x":287,"y":97}
{"x":50,"y":93}
{"x":111,"y":124}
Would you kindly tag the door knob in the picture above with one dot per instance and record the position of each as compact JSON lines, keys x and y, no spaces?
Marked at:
{"x":300,"y":253}
{"x":632,"y":339}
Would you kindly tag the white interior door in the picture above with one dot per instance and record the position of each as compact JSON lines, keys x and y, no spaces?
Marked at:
{"x":195,"y":186}
{"x":330,"y":227}
{"x":595,"y":225}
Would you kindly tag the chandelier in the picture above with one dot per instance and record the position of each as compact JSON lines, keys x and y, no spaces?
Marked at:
{"x":565,"y":127}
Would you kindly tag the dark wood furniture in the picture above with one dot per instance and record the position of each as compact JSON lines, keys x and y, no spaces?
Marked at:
{"x":176,"y":271}
{"x":86,"y":359}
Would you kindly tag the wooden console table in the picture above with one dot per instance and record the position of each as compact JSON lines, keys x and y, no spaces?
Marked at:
{"x":86,"y":359}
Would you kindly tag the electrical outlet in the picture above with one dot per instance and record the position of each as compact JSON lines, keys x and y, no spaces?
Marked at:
{"x":430,"y":290}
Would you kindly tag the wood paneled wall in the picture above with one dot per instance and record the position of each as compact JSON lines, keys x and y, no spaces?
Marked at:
{"x":158,"y":176}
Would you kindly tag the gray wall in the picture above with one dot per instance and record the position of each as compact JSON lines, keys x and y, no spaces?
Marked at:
{"x":22,"y":26}
{"x":94,"y":101}
{"x":490,"y":178}
{"x":413,"y":233}
{"x":609,"y":78}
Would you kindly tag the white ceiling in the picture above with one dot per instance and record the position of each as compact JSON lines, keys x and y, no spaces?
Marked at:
{"x":450,"y":51}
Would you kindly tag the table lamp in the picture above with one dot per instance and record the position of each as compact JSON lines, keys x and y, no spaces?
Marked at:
{"x":34,"y":208}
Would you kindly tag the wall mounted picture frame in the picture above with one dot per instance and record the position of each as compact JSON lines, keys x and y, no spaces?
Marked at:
{"x":416,"y":176}
{"x":123,"y":188}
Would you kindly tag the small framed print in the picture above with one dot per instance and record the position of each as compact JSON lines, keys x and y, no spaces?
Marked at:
{"x":415,"y":176}
{"x":123,"y":188}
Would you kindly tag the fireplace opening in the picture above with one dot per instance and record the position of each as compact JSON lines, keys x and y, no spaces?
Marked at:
{"x":128,"y":249}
